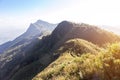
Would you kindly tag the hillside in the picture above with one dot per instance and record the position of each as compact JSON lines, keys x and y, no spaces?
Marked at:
{"x":16,"y":54}
{"x":103,"y":65}
{"x":68,"y":30}
{"x":82,"y":46}
{"x":25,"y":61}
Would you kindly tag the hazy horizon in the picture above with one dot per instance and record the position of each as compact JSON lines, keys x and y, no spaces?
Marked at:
{"x":16,"y":15}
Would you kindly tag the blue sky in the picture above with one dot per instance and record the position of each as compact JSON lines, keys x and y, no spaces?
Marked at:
{"x":24,"y":12}
{"x":19,"y":6}
{"x":18,"y":14}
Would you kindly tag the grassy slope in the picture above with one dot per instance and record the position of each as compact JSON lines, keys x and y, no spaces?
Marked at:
{"x":26,"y":64}
{"x":30,"y":71}
{"x":102,"y":65}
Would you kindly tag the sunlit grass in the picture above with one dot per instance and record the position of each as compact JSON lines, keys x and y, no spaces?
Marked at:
{"x":104,"y":65}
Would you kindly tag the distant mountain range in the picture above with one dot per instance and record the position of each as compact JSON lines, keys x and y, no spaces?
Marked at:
{"x":43,"y":43}
{"x":116,"y":30}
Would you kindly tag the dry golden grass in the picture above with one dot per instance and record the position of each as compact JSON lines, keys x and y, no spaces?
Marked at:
{"x":103,"y":65}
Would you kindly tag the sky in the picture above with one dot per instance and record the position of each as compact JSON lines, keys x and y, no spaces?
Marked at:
{"x":16,"y":15}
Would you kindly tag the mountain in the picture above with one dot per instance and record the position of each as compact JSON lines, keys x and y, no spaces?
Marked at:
{"x":80,"y":59}
{"x":25,"y":61}
{"x":39,"y":28}
{"x":67,"y":30}
{"x":13,"y":53}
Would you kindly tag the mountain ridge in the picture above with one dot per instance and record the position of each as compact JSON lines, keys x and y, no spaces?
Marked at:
{"x":19,"y":48}
{"x":44,"y":51}
{"x":35,"y":30}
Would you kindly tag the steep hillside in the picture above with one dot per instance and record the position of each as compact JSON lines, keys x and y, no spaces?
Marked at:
{"x":37,"y":29}
{"x":16,"y":54}
{"x":79,"y":47}
{"x":25,"y":61}
{"x":103,"y":65}
{"x":67,"y":30}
